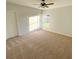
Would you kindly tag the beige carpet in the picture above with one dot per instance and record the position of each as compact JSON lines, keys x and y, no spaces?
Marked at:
{"x":39,"y":45}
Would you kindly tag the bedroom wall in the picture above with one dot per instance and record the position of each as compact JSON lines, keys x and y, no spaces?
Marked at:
{"x":58,"y":20}
{"x":21,"y":14}
{"x":11,"y":26}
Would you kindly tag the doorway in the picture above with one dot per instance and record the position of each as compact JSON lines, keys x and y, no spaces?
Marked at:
{"x":34,"y":23}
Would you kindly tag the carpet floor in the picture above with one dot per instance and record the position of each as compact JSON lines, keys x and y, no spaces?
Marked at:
{"x":39,"y":45}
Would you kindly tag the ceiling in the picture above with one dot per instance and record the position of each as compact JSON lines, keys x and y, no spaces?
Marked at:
{"x":30,"y":3}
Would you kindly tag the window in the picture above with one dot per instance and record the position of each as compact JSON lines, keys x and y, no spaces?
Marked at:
{"x":34,"y":23}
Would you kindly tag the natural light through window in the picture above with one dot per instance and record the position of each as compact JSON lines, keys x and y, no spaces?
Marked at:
{"x":34,"y":23}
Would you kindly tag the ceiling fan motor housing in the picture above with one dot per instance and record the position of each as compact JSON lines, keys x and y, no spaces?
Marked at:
{"x":43,"y":0}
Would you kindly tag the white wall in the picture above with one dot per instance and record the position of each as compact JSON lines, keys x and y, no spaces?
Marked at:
{"x":11,"y":29}
{"x":22,"y":14}
{"x":58,"y":20}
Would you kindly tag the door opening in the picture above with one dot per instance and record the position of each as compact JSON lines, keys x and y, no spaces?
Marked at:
{"x":34,"y":23}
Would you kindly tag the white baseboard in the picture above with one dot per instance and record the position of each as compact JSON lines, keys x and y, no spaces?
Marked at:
{"x":12,"y":37}
{"x":58,"y":33}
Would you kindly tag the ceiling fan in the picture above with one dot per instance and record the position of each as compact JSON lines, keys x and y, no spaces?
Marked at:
{"x":44,"y":4}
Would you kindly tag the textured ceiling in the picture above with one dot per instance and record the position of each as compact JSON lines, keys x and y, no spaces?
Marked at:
{"x":30,"y":3}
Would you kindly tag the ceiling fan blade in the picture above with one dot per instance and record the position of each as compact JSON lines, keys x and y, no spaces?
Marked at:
{"x":46,"y":6}
{"x":49,"y":3}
